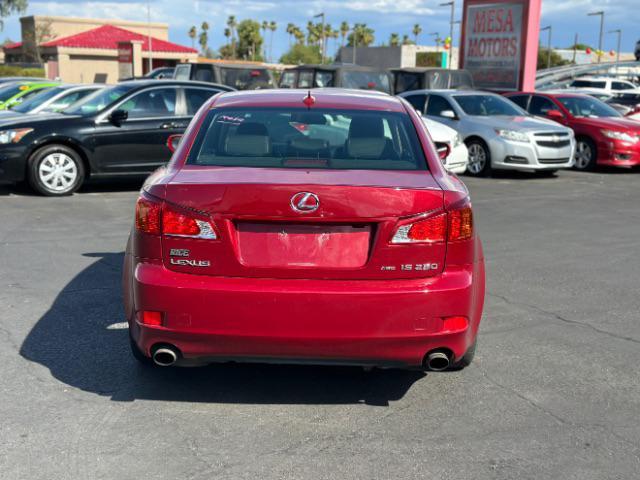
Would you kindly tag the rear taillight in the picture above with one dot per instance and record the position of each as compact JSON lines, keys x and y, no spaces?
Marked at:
{"x":452,"y":226}
{"x":157,"y":218}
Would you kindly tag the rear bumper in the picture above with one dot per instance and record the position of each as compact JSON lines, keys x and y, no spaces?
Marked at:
{"x":345,"y":322}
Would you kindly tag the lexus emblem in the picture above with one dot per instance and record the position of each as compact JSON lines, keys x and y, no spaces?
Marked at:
{"x":305,"y":202}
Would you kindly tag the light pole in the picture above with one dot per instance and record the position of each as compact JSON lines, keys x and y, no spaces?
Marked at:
{"x":321,"y":15}
{"x":548,"y":28}
{"x":619,"y":32}
{"x":149,"y":36}
{"x":451,"y":4}
{"x":437,"y":40}
{"x":601,"y":14}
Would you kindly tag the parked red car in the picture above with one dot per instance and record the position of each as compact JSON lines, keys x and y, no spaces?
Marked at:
{"x":316,"y":229}
{"x":603,"y":136}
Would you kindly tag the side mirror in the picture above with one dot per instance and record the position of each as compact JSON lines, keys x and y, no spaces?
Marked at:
{"x":173,"y":142}
{"x":450,"y":114}
{"x":555,"y":115}
{"x":443,"y":150}
{"x":118,"y":116}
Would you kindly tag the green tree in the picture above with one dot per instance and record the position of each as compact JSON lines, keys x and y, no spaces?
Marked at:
{"x":417,"y":30}
{"x":344,"y":30}
{"x":273,"y":26}
{"x":300,"y":53}
{"x":193,"y":33}
{"x":291,"y":28}
{"x":361,"y":35}
{"x":556,"y":59}
{"x":406,"y":40}
{"x":394,"y":40}
{"x":232,"y":24}
{"x":10,"y":7}
{"x":249,"y":40}
{"x":203,"y":40}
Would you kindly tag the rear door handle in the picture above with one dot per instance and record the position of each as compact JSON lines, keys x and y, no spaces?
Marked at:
{"x":173,"y":125}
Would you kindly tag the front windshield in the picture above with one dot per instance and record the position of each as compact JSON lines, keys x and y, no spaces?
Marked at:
{"x":98,"y":101}
{"x":37,"y":100}
{"x":11,"y":91}
{"x":488,"y":106}
{"x":588,"y":107}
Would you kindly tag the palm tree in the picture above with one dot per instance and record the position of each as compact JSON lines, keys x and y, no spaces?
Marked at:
{"x":417,"y":30}
{"x":299,"y":35}
{"x":227,"y":34}
{"x":193,"y":33}
{"x":273,"y":26}
{"x":265,"y":27}
{"x":232,"y":24}
{"x":394,"y":40}
{"x":406,"y":40}
{"x":291,"y":28}
{"x":204,"y":37}
{"x":344,"y":30}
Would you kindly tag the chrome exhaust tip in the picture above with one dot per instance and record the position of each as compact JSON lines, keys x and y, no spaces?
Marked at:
{"x":165,"y":357}
{"x":437,"y":361}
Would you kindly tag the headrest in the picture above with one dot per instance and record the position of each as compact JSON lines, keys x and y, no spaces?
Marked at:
{"x":314,"y":145}
{"x":366,"y":147}
{"x":309,"y":118}
{"x":366,"y":126}
{"x":248,"y":145}
{"x":252,"y":128}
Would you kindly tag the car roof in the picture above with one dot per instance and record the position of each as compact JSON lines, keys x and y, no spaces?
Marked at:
{"x":253,"y":66}
{"x":143,"y":83}
{"x":324,"y":98}
{"x":337,"y":66}
{"x":450,"y":91}
{"x":550,"y":93}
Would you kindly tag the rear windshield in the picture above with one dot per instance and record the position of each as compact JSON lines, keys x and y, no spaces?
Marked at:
{"x":246,"y":78}
{"x":301,"y":138}
{"x":488,"y":105}
{"x":366,"y":81}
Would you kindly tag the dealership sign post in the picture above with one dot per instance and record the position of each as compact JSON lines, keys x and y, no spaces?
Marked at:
{"x":500,"y":43}
{"x":125,"y":60}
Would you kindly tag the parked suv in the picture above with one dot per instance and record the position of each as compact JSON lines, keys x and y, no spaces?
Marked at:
{"x":236,"y":76}
{"x":407,"y":79}
{"x":498,"y":133}
{"x":120,"y":130}
{"x":605,"y":84}
{"x":603,"y":135}
{"x":338,"y":76}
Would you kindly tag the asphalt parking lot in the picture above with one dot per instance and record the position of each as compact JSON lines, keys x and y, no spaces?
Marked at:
{"x":554,"y":392}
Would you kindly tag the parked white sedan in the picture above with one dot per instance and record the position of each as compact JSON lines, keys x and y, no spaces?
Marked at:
{"x":458,"y":158}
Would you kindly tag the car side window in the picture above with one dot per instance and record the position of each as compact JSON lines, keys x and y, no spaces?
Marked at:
{"x":305,"y":79}
{"x":155,"y":102}
{"x":437,"y":105}
{"x":324,"y":79}
{"x":621,"y":86}
{"x":520,"y":100}
{"x":196,"y":97}
{"x":541,"y":106}
{"x":64,"y":102}
{"x":417,"y":101}
{"x":204,"y":73}
{"x":288,"y":80}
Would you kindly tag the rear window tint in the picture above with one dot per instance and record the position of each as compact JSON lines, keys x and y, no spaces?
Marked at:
{"x":302,"y":138}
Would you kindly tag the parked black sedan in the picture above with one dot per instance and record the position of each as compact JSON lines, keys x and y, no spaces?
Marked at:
{"x":120,"y":130}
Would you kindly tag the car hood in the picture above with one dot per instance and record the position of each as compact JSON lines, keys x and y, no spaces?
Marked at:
{"x":613,"y":123}
{"x":33,"y":120}
{"x":520,"y":123}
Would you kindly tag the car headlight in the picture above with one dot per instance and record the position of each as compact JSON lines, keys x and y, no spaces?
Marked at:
{"x":457,"y":140}
{"x":624,"y":136}
{"x":513,"y":135}
{"x":13,"y":136}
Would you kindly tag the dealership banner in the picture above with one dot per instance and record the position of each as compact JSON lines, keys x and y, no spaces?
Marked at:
{"x":500,"y":43}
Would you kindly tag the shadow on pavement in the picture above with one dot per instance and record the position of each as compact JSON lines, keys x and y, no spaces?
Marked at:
{"x":79,"y":340}
{"x":91,"y":186}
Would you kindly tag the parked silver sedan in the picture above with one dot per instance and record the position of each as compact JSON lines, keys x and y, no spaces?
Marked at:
{"x":498,"y":133}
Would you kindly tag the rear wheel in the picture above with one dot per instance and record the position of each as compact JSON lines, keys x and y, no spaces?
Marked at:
{"x":479,"y":158}
{"x":55,"y":170}
{"x":586,"y":154}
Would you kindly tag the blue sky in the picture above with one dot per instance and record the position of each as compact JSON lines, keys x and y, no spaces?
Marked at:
{"x":568,"y":17}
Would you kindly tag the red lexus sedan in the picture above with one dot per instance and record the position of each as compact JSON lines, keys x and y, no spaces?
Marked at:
{"x":603,"y":135}
{"x":311,"y":229}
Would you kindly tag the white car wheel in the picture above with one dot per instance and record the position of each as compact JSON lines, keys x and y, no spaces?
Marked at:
{"x":58,"y":172}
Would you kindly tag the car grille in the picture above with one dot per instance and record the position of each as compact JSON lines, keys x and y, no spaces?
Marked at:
{"x":553,"y":160}
{"x":553,"y":140}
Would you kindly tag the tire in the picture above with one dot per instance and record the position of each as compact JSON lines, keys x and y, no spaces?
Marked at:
{"x":55,"y":171}
{"x":479,"y":158}
{"x":467,"y":358}
{"x":139,"y":356}
{"x":586,"y":156}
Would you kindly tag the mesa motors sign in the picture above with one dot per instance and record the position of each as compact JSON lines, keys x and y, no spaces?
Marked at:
{"x":496,"y":46}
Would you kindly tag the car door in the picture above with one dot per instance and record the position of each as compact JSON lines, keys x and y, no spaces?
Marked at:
{"x":138,"y":144}
{"x":436,"y":106}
